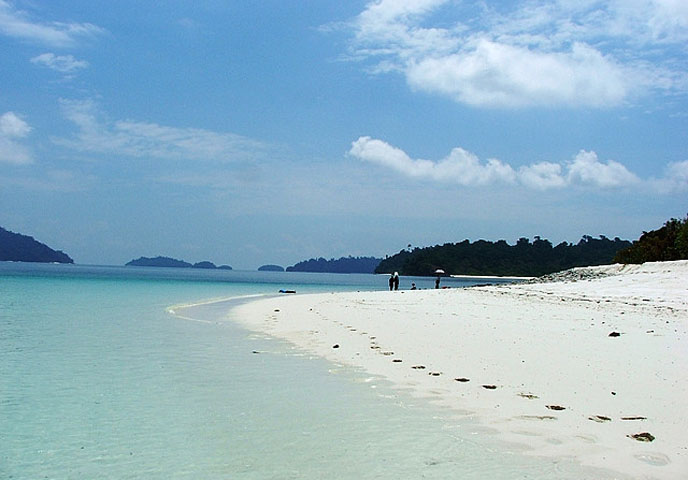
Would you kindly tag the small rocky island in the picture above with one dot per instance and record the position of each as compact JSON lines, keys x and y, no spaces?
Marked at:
{"x":271,"y":268}
{"x":173,"y":263}
{"x":15,"y":247}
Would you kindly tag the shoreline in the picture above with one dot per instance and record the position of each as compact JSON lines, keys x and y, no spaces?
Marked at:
{"x":570,"y":369}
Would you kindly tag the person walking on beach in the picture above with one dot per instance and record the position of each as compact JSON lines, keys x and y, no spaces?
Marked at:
{"x":396,"y":280}
{"x":437,"y":282}
{"x":391,"y":282}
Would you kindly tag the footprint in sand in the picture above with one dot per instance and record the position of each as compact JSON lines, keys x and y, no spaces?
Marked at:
{"x":490,"y":387}
{"x":418,"y":367}
{"x":435,"y":374}
{"x":529,"y":396}
{"x":537,"y":417}
{"x":396,"y":360}
{"x":462,"y":379}
{"x":633,"y":418}
{"x":655,"y":459}
{"x":600,"y":418}
{"x":555,"y":407}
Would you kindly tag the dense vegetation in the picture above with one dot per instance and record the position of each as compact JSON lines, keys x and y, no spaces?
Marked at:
{"x":482,"y":257}
{"x":669,"y":242}
{"x":341,"y":265}
{"x":15,"y":247}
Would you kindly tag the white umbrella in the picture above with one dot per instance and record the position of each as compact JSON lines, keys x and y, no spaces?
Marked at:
{"x":439,"y":271}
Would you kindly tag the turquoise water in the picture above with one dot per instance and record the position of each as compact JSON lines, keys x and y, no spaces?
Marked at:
{"x":99,"y":381}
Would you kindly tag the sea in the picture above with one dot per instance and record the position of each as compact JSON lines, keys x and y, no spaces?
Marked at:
{"x":99,"y":379}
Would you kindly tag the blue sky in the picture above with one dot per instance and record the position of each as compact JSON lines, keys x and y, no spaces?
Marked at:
{"x":249,"y":133}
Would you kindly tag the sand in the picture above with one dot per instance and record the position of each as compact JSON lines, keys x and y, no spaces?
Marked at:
{"x":571,"y":368}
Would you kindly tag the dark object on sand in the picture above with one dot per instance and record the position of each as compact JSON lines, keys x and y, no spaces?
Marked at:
{"x":462,"y":379}
{"x":555,"y":407}
{"x":490,"y":387}
{"x":287,"y":291}
{"x":615,"y":334}
{"x":642,"y":437}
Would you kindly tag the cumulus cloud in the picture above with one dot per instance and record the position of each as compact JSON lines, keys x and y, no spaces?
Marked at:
{"x":144,"y":139}
{"x":465,"y":168}
{"x":18,"y":24}
{"x":460,"y":166}
{"x":59,"y":63}
{"x":538,"y":53}
{"x":587,"y":169}
{"x":542,"y":176}
{"x":12,"y":130}
{"x":675,"y":178}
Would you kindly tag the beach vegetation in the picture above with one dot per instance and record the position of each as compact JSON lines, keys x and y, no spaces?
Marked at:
{"x":670,"y":242}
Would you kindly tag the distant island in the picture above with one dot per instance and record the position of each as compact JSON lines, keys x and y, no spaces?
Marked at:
{"x":341,"y":265}
{"x":15,"y":247}
{"x":173,"y":263}
{"x":271,"y":268}
{"x":524,"y":259}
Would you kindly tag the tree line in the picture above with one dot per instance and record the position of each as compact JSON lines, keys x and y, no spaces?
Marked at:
{"x":525,"y":258}
{"x":341,"y":265}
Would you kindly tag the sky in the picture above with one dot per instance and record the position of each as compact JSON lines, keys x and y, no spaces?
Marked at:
{"x":251,"y":133}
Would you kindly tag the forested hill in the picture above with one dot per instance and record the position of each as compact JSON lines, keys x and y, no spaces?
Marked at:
{"x":525,"y":258}
{"x":341,"y":265}
{"x":15,"y":247}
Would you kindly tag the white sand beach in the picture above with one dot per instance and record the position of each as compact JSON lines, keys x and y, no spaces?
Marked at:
{"x":571,"y":368}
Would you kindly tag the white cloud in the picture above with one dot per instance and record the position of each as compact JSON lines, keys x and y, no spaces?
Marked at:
{"x":495,"y":74}
{"x":465,"y":168}
{"x":675,"y":178}
{"x":460,"y":166}
{"x":59,"y":63}
{"x":587,"y":169}
{"x":542,"y":176}
{"x":13,"y":128}
{"x":17,"y":24}
{"x":142,"y":139}
{"x":565,"y":52}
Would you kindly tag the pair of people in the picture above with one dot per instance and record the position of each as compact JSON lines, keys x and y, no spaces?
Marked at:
{"x":394,"y":281}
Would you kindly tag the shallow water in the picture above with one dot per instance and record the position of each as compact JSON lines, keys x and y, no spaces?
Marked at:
{"x":99,"y":380}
